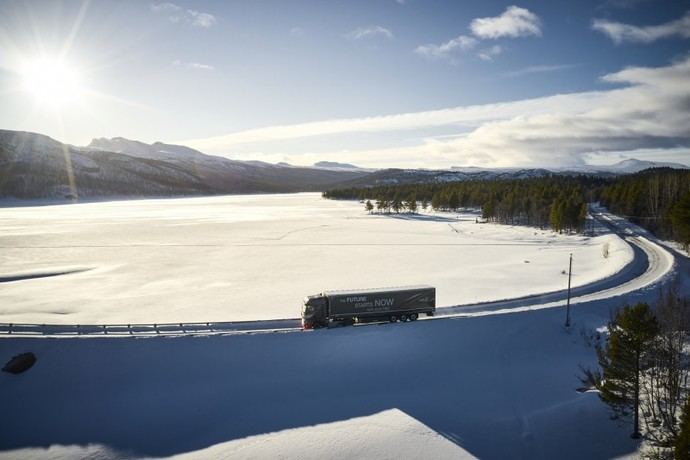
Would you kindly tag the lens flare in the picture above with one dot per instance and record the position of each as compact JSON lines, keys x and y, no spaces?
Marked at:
{"x":52,"y":82}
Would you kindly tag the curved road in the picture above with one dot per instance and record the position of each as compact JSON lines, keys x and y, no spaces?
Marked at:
{"x":651,"y":263}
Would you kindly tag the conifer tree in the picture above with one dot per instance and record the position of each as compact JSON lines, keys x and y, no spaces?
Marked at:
{"x":489,"y":208}
{"x":622,"y":360}
{"x":412,"y":203}
{"x":555,"y":217}
{"x":680,"y":219}
{"x":454,"y":201}
{"x":436,"y":201}
{"x":368,"y":206}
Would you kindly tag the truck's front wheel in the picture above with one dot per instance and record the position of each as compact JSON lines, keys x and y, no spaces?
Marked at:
{"x":393,"y":319}
{"x":413,"y":316}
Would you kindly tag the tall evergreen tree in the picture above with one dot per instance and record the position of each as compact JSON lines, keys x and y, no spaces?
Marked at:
{"x":368,"y":206}
{"x":454,"y":201}
{"x":412,"y":203}
{"x":436,"y":201}
{"x":555,"y":216}
{"x":622,"y":359}
{"x":680,"y":219}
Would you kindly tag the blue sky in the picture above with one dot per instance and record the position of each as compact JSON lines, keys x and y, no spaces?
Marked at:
{"x":378,"y":82}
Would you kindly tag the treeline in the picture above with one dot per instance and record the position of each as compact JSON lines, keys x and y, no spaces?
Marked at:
{"x":657,"y":199}
{"x":557,"y":201}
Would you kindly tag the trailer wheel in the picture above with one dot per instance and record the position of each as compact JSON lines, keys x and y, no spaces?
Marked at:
{"x":403,"y":318}
{"x":393,"y":319}
{"x":413,"y":316}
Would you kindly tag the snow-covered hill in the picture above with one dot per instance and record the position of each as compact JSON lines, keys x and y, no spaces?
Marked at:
{"x":36,"y":166}
{"x":633,"y":165}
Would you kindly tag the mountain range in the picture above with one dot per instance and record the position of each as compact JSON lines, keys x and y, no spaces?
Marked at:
{"x":37,"y":166}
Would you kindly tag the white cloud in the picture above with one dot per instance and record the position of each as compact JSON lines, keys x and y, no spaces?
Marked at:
{"x":201,"y":19}
{"x":165,"y":7}
{"x":176,"y":14}
{"x":193,"y":65}
{"x":488,"y":54}
{"x":461,"y":43}
{"x":651,"y":112}
{"x":539,"y":69}
{"x":619,"y":32}
{"x":369,"y":32}
{"x":514,"y":22}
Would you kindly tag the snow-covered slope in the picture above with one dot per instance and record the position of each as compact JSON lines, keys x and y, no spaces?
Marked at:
{"x":155,"y":151}
{"x":36,"y":166}
{"x":493,"y":387}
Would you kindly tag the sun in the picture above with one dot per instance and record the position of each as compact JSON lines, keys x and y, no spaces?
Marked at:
{"x":52,"y":82}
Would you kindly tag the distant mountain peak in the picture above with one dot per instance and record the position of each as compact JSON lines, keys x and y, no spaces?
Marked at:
{"x":633,"y":165}
{"x":336,"y":165}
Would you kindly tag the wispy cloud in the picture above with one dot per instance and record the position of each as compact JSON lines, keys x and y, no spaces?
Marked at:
{"x":620,"y":32}
{"x":193,"y":65}
{"x":513,"y":22}
{"x":461,"y":43}
{"x":369,"y":32}
{"x":539,"y":69}
{"x":650,"y":112}
{"x":176,"y":14}
{"x":488,"y":54}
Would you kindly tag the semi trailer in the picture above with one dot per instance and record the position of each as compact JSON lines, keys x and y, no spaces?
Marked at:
{"x":387,"y":304}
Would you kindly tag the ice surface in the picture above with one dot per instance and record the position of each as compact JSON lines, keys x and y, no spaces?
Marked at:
{"x":257,"y":257}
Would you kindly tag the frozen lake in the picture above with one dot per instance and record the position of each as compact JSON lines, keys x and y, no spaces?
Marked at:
{"x":256,"y":257}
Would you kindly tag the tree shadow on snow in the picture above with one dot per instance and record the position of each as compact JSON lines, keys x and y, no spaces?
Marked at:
{"x":421,"y":217}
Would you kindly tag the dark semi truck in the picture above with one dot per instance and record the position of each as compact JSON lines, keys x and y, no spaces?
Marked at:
{"x":348,"y":307}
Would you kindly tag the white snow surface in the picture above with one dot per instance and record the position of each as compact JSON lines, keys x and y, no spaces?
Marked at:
{"x":256,"y":257}
{"x":491,"y":387}
{"x":389,"y":434}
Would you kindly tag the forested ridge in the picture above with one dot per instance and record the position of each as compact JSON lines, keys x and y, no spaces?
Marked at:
{"x":657,"y":199}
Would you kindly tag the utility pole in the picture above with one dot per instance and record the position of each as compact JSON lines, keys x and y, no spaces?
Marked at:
{"x":567,"y":305}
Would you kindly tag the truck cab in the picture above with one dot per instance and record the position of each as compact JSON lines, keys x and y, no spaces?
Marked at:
{"x":315,"y":312}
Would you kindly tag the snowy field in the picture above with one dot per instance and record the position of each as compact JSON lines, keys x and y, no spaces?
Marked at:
{"x":256,"y":257}
{"x":492,"y":387}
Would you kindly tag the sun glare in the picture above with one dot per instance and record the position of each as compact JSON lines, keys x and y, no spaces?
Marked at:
{"x":52,"y":82}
